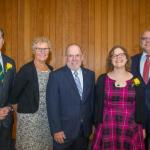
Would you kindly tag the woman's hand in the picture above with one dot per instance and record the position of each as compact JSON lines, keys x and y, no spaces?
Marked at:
{"x":144,"y":133}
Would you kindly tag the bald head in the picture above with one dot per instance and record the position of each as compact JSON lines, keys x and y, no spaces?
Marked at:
{"x":72,"y":46}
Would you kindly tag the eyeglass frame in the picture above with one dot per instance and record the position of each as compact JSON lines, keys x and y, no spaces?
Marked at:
{"x":145,"y":38}
{"x":42,"y":49}
{"x":121,"y":55}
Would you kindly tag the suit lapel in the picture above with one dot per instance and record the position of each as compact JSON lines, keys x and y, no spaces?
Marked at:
{"x":70,"y":78}
{"x":4,"y":66}
{"x":138,"y":68}
{"x":85,"y":82}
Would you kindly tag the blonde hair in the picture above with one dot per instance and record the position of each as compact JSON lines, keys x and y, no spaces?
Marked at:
{"x":40,"y":40}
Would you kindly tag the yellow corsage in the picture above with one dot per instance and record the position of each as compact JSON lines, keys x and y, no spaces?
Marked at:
{"x":136,"y":82}
{"x":8,"y":66}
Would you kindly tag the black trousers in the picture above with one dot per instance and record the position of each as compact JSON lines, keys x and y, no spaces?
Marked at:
{"x":147,"y":143}
{"x":5,"y":138}
{"x":80,"y":143}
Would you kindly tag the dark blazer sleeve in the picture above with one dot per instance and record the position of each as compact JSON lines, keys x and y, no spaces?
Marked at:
{"x":52,"y":99}
{"x":139,"y":111}
{"x":99,"y":102}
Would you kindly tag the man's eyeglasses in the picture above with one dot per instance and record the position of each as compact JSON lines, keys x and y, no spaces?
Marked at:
{"x":42,"y":49}
{"x":145,"y":38}
{"x":121,"y":55}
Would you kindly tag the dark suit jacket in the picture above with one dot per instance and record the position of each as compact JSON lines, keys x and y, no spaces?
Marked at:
{"x":6,"y":86}
{"x":100,"y":97}
{"x":135,"y":68}
{"x":66,"y":111}
{"x":25,"y":92}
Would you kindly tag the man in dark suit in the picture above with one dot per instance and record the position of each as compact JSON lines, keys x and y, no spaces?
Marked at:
{"x":141,"y":68}
{"x":70,"y":98}
{"x":7,"y":73}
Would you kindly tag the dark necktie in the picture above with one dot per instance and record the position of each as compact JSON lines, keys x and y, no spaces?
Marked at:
{"x":146,"y":69}
{"x":78,"y":83}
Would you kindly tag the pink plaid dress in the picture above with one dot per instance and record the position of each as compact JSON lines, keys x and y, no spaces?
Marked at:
{"x":119,"y":131}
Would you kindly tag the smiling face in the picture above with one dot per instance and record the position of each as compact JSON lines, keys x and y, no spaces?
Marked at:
{"x":74,"y":57}
{"x":145,"y":41}
{"x":118,"y":58}
{"x":41,"y":51}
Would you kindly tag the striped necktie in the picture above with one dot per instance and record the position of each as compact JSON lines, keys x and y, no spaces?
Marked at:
{"x":1,"y":73}
{"x":78,"y":83}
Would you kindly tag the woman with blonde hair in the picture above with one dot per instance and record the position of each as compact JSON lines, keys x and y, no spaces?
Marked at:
{"x":29,"y":93}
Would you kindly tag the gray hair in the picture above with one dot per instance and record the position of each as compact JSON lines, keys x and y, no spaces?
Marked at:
{"x":40,"y":40}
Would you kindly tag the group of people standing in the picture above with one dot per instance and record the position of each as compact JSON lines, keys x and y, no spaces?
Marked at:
{"x":59,"y":110}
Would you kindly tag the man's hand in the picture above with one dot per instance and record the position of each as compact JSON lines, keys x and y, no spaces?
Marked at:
{"x":4,"y":112}
{"x":59,"y":137}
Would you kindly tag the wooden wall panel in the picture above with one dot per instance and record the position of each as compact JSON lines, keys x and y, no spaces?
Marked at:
{"x":96,"y":25}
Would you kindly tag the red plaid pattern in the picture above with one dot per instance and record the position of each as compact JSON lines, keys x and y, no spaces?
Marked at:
{"x":119,"y":131}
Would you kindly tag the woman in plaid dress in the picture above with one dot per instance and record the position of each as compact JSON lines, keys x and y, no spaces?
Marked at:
{"x":119,"y":113}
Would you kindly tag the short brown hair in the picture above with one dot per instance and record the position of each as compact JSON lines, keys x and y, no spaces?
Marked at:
{"x":2,"y":33}
{"x":109,"y":65}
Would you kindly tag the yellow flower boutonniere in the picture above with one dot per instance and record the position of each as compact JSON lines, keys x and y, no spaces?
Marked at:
{"x":136,"y":82}
{"x":8,"y":66}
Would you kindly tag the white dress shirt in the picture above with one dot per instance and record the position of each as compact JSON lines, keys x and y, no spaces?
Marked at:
{"x":142,"y":62}
{"x":1,"y":60}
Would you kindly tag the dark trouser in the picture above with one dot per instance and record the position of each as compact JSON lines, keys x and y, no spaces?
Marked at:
{"x":147,"y":143}
{"x":80,"y":143}
{"x":5,"y":138}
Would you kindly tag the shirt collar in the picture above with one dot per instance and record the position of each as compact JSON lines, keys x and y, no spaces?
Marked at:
{"x":144,"y":54}
{"x":78,"y":71}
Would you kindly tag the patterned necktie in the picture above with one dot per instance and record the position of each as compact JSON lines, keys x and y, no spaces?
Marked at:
{"x":146,"y":69}
{"x":78,"y":83}
{"x":1,"y":73}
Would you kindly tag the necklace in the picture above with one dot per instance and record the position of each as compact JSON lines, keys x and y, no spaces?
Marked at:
{"x":40,"y":66}
{"x":120,"y":84}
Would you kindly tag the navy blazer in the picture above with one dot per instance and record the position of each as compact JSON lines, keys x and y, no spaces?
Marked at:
{"x":7,"y":84}
{"x":135,"y":68}
{"x":65,"y":109}
{"x":6,"y":87}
